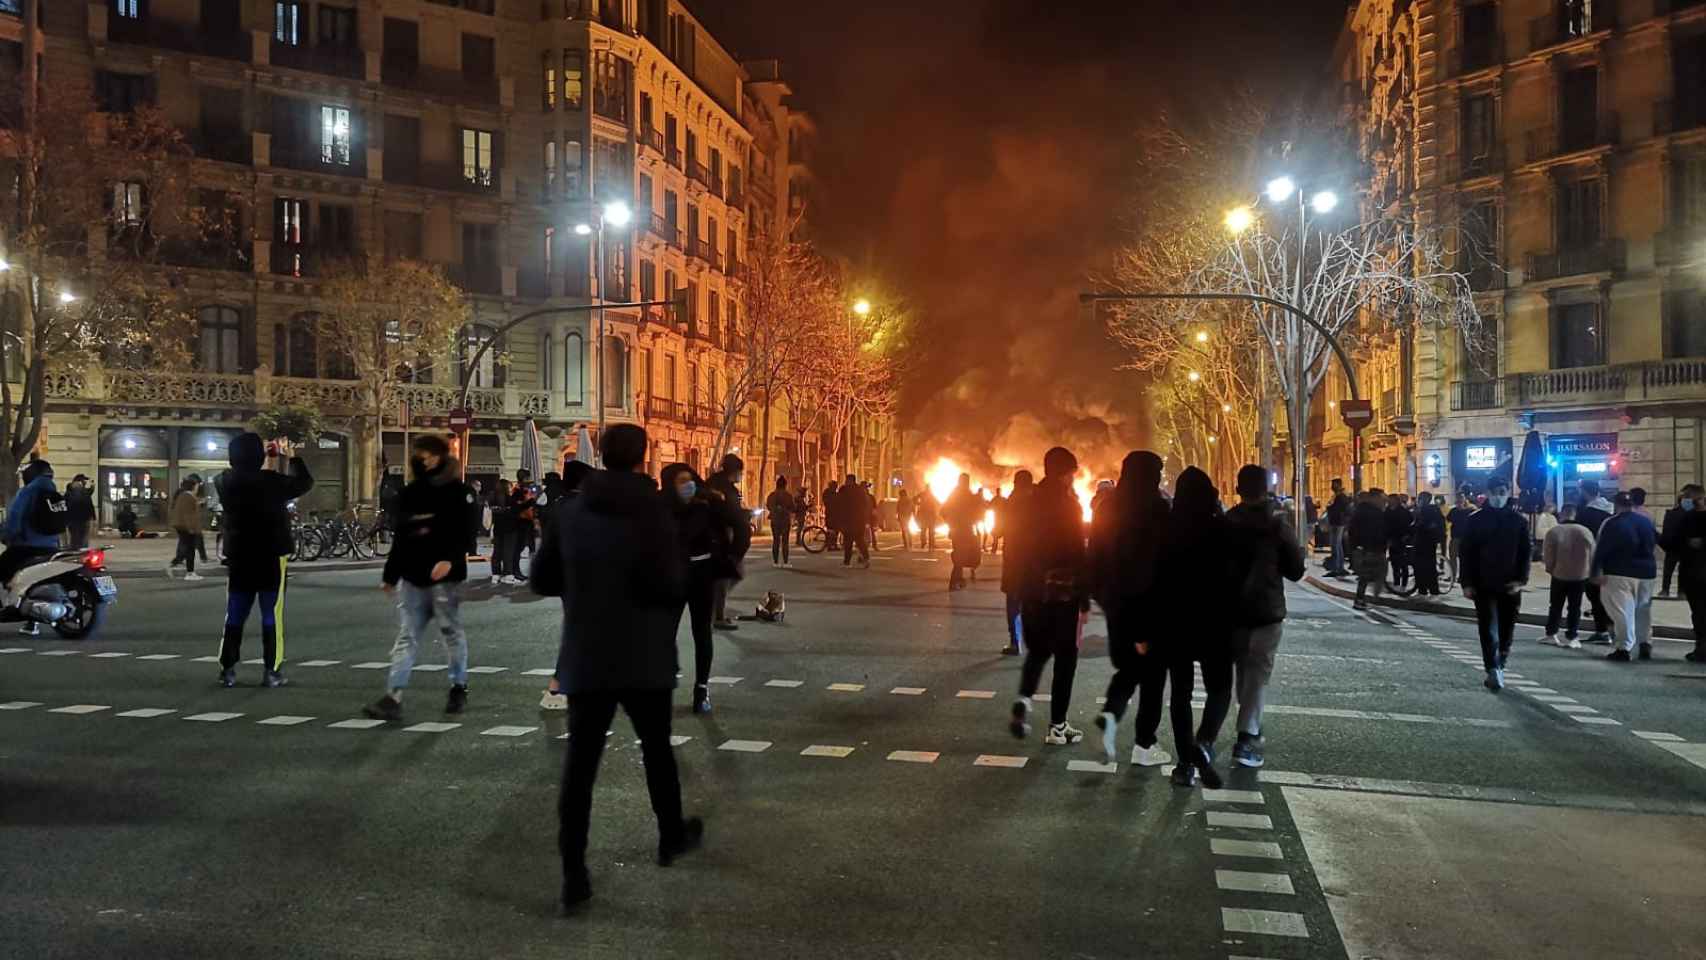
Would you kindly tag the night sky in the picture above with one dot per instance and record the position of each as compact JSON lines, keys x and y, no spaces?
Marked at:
{"x":975,"y":157}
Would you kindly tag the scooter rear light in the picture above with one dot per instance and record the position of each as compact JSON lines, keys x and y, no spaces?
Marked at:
{"x":95,"y":559}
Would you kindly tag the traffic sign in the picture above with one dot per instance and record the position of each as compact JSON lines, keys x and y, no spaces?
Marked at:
{"x":460,"y":420}
{"x":1356,"y":413}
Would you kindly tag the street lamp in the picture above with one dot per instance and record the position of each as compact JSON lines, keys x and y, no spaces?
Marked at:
{"x":1193,"y":376}
{"x":1280,"y":188}
{"x":1324,"y":201}
{"x":862,"y":307}
{"x":1202,"y":336}
{"x":66,"y":296}
{"x":613,"y":214}
{"x":1239,"y":219}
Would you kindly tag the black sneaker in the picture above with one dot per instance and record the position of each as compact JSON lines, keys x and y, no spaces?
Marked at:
{"x":457,"y":700}
{"x":273,"y":678}
{"x":701,"y":699}
{"x":1619,"y":655}
{"x":1600,"y":637}
{"x":577,"y":889}
{"x":726,"y":625}
{"x":1204,"y":762}
{"x":228,"y":677}
{"x":1020,"y":726}
{"x":1646,"y":651}
{"x":1184,"y":775}
{"x":692,"y":835}
{"x":1695,"y":656}
{"x":385,"y":708}
{"x":1010,"y":651}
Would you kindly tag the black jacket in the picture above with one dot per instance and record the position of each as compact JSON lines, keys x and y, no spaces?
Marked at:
{"x":853,"y":513}
{"x":437,"y":518}
{"x":1496,"y":549}
{"x":1592,"y":517}
{"x":1672,"y":523}
{"x":1264,"y":549}
{"x":1367,"y":528}
{"x":1012,"y":519}
{"x":1125,"y":550}
{"x":1339,"y":511}
{"x":79,"y":506}
{"x":742,"y":534}
{"x":1430,"y":526}
{"x":1196,"y":568}
{"x":1054,"y":563}
{"x":257,"y":510}
{"x":1399,"y":520}
{"x":1686,"y":540}
{"x":617,"y":552}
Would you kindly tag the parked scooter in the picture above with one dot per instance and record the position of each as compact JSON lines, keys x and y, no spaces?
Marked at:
{"x":69,"y":591}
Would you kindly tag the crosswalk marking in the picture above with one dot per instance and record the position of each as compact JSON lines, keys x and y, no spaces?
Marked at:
{"x":319,"y":663}
{"x":913,"y":756}
{"x":80,"y":708}
{"x":204,"y":659}
{"x":1246,"y":821}
{"x":109,"y":655}
{"x":785,"y":684}
{"x":1572,"y":708}
{"x":675,"y":741}
{"x":1233,"y":796}
{"x":846,"y":687}
{"x":908,"y":691}
{"x":371,"y":665}
{"x":19,"y":704}
{"x":431,"y":728}
{"x":214,"y":716}
{"x":58,"y":653}
{"x":997,"y":760}
{"x":507,"y":730}
{"x":357,"y":724}
{"x":1275,"y":923}
{"x":160,"y":656}
{"x":1601,"y":721}
{"x":1091,"y":766}
{"x":1248,"y":882}
{"x":745,"y":746}
{"x":1258,"y":849}
{"x":976,"y":695}
{"x":483,"y":670}
{"x":821,"y":750}
{"x":430,"y":667}
{"x":283,"y":720}
{"x":1646,"y":735}
{"x":14,"y":650}
{"x":145,"y":713}
{"x":727,"y":681}
{"x":540,"y":672}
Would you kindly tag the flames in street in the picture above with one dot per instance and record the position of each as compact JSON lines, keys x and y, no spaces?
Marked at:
{"x":943,"y":476}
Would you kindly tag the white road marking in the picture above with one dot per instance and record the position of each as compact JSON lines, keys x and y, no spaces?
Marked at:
{"x":1274,"y":923}
{"x":486,"y":670}
{"x":160,"y":656}
{"x":727,"y":681}
{"x":355,"y":724}
{"x":19,"y":704}
{"x":1042,"y":698}
{"x":1572,"y":708}
{"x":507,"y":730}
{"x":540,"y":672}
{"x":996,"y":760}
{"x":57,"y":653}
{"x":1259,"y":849}
{"x":204,"y":659}
{"x":1091,"y":766}
{"x":1555,"y":698}
{"x":319,"y":663}
{"x":913,"y":756}
{"x":821,"y":750}
{"x":1655,"y":735}
{"x":15,"y":650}
{"x":675,"y":741}
{"x":372,"y":665}
{"x":745,"y":746}
{"x":214,"y":716}
{"x":431,"y":728}
{"x":1248,"y":882}
{"x":1233,"y":796}
{"x":255,"y":662}
{"x":1694,"y":753}
{"x":1601,"y":721}
{"x":785,"y":684}
{"x":976,"y":695}
{"x":1539,"y":690}
{"x":80,"y":708}
{"x":145,"y":713}
{"x":846,"y":687}
{"x":1513,"y":676}
{"x":430,"y":667}
{"x":283,"y":720}
{"x":908,"y":691}
{"x":1247,"y":821}
{"x":109,"y":655}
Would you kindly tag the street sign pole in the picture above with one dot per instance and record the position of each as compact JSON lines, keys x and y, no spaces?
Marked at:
{"x":1356,"y":414}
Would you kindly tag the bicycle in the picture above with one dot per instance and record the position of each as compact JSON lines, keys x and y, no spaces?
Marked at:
{"x":814,"y":538}
{"x":1447,"y":579}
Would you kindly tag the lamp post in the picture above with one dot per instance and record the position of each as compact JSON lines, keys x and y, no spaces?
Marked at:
{"x":614,"y":214}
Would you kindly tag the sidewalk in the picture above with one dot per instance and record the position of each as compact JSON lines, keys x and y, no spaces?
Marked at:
{"x":135,"y":558}
{"x":1671,"y":618}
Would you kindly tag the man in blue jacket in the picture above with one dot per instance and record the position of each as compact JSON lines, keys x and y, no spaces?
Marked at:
{"x":1626,"y":572}
{"x":25,"y":541}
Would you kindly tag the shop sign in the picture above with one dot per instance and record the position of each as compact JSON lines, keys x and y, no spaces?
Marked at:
{"x":1584,"y":445}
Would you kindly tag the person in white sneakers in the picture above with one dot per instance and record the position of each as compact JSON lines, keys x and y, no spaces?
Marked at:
{"x":1567,"y":554}
{"x":185,"y":517}
{"x":1054,"y":588}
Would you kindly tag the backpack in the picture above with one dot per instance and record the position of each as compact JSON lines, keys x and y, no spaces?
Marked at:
{"x":49,"y":515}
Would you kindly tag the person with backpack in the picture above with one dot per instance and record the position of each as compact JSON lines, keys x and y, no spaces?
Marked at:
{"x":34,"y":522}
{"x":257,"y":543}
{"x":1265,"y":553}
{"x":185,"y":518}
{"x":1054,"y":588}
{"x":1125,"y":548}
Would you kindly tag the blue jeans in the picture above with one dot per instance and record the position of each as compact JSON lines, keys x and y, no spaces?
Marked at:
{"x":1336,"y":558}
{"x":416,"y":608}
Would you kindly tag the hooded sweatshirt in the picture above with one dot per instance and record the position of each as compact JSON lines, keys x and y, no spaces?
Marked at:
{"x":256,"y":502}
{"x":437,"y":519}
{"x":17,"y":531}
{"x":1125,"y":537}
{"x":1196,"y":569}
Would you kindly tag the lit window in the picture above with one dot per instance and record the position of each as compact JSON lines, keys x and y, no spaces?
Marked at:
{"x":286,"y":21}
{"x":550,"y":83}
{"x":477,"y":157}
{"x":127,"y":203}
{"x":335,"y":136}
{"x":550,"y":163}
{"x":128,"y":9}
{"x":550,"y":243}
{"x":574,"y":70}
{"x":290,"y":221}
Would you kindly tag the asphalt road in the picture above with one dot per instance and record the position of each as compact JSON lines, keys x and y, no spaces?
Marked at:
{"x":1404,"y":811}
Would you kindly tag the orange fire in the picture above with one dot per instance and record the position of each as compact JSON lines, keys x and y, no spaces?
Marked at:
{"x":942,"y":477}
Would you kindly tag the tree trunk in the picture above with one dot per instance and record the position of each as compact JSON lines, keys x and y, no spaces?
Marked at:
{"x":764,"y":453}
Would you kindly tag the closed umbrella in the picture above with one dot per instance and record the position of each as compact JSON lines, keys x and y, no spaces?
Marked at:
{"x":530,"y":448}
{"x":1531,"y":473}
{"x":583,"y":446}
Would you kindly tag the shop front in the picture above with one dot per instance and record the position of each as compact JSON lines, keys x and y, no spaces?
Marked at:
{"x":1573,"y":458}
{"x":140,"y":468}
{"x":1475,"y":461}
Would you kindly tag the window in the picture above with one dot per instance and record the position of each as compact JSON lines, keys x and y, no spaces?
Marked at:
{"x":571,"y":168}
{"x":692,"y":223}
{"x":12,"y":332}
{"x":294,"y":349}
{"x":574,"y":383}
{"x":402,"y":235}
{"x":671,"y":137}
{"x":610,"y":94}
{"x":287,"y":22}
{"x":615,"y":381}
{"x":647,"y":112}
{"x":337,"y":230}
{"x":127,"y":207}
{"x":122,"y":92}
{"x":1478,"y":353}
{"x":729,"y":251}
{"x":128,"y":9}
{"x":715,"y":313}
{"x":669,"y":294}
{"x":1578,"y":337}
{"x":734,"y":182}
{"x":550,"y":253}
{"x":550,"y":164}
{"x":1480,"y":35}
{"x":1578,"y":105}
{"x":671,"y":213}
{"x":402,"y":44}
{"x":610,"y":170}
{"x":1477,"y":132}
{"x":288,"y":220}
{"x":489,"y":372}
{"x":479,"y":57}
{"x":1691,"y":189}
{"x":337,"y":27}
{"x":550,"y":68}
{"x":1685,"y":323}
{"x":477,"y":157}
{"x":692,"y":306}
{"x":219,"y":332}
{"x":643,"y":199}
{"x":547,"y":356}
{"x":402,"y":148}
{"x":335,"y":135}
{"x":648,"y":280}
{"x":574,"y":79}
{"x":1579,"y":206}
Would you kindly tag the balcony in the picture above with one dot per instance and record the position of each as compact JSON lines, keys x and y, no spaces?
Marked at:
{"x":733,"y":269}
{"x":207,"y":255}
{"x":174,"y":388}
{"x":672,"y":156}
{"x":1581,"y":385}
{"x":1675,"y":116}
{"x":455,"y":176}
{"x":224,"y":145}
{"x":697,"y":173}
{"x":1679,"y":244}
{"x":183,"y":37}
{"x":1576,"y":21}
{"x":660,"y":228}
{"x":317,"y":158}
{"x":673,"y":236}
{"x":1545,"y":143}
{"x":1477,"y":394}
{"x":336,"y":61}
{"x":478,"y":278}
{"x":651,"y":138}
{"x":663,"y":408}
{"x":439,"y":82}
{"x":608,"y":104}
{"x":293,"y":260}
{"x":736,"y":198}
{"x":1487,"y":164}
{"x":716,"y":183}
{"x":1606,"y":256}
{"x":707,"y":251}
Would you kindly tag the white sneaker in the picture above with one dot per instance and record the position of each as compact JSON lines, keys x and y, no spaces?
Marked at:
{"x":1551,"y":640}
{"x":194,"y":576}
{"x":1062,"y":734}
{"x":1150,"y":756}
{"x":30,"y":629}
{"x":512,"y":581}
{"x":1110,"y":727}
{"x":497,"y":578}
{"x":171,"y":572}
{"x":1571,"y":644}
{"x":553,"y":701}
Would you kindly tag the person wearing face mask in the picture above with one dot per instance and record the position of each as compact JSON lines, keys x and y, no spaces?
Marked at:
{"x":437,"y":520}
{"x":1687,"y":542}
{"x":1623,"y":567}
{"x":1495,"y":557}
{"x":726,"y":482}
{"x":1667,"y":533}
{"x":704,"y":521}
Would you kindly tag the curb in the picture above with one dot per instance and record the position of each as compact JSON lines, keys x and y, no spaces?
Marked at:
{"x":1458,"y":613}
{"x":216,"y":571}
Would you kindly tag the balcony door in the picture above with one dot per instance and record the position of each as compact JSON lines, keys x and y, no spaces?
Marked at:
{"x":1578,"y":335}
{"x":1580,"y":206}
{"x":1578,"y":108}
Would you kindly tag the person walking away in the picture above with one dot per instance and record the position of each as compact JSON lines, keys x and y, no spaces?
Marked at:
{"x":573,"y":475}
{"x":855,"y":515}
{"x":1668,"y":533}
{"x":1457,"y":523}
{"x":79,"y":512}
{"x":1365,"y":537}
{"x":831,"y":515}
{"x":705,"y":522}
{"x":623,"y":579}
{"x":1592,"y":513}
{"x":905,"y":514}
{"x":1399,"y":521}
{"x":257,"y":543}
{"x":1626,"y":572}
{"x":929,"y":517}
{"x":781,"y":507}
{"x":1338,"y":523}
{"x":1054,"y":587}
{"x":1265,"y":552}
{"x":1687,"y":542}
{"x":1196,"y":578}
{"x":185,"y":520}
{"x":436,"y":518}
{"x":1428,"y":536}
{"x":726,"y":481}
{"x":1125,"y":546}
{"x":33,"y":524}
{"x":1567,"y":555}
{"x":873,"y":523}
{"x":524,"y":520}
{"x":962,"y":511}
{"x":1012,"y":519}
{"x":503,"y":534}
{"x":1495,"y":557}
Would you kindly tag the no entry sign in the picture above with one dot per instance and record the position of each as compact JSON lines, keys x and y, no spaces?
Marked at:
{"x":460,"y":420}
{"x":1356,"y":413}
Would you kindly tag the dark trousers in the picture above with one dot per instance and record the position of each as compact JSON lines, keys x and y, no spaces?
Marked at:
{"x":1671,"y":561}
{"x":1565,"y":592}
{"x":1601,"y":618}
{"x":500,"y":552}
{"x":1427,"y":568}
{"x":1217,"y":683}
{"x":17,"y":558}
{"x":1051,"y":630}
{"x":906,"y":533}
{"x":1014,"y":631}
{"x":720,"y":588}
{"x":79,"y":532}
{"x":590,"y":716}
{"x":851,"y":539}
{"x":522,"y":537}
{"x":701,"y":597}
{"x":1399,"y":556}
{"x":1495,"y":610}
{"x":1142,"y":674}
{"x":186,"y":551}
{"x":238,"y":603}
{"x":778,"y":542}
{"x":1694,"y":589}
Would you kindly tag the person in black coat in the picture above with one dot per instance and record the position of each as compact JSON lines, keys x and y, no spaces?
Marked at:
{"x":1496,"y":551}
{"x":80,"y":513}
{"x":503,"y":533}
{"x":1054,"y":589}
{"x":1196,"y":580}
{"x":569,"y":487}
{"x":257,"y":541}
{"x":1685,"y":539}
{"x":727,"y":482}
{"x":962,"y":512}
{"x":1427,"y":536}
{"x":1365,"y":536}
{"x":618,"y":564}
{"x":1125,"y":549}
{"x":706,"y":522}
{"x":854,"y":515}
{"x":1011,"y":518}
{"x":437,"y":523}
{"x":1671,"y":525}
{"x":1399,"y":522}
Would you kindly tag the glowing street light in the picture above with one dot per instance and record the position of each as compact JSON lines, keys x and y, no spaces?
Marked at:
{"x":1226,"y":408}
{"x":862,"y":307}
{"x":1324,"y":201}
{"x":1193,"y":376}
{"x":4,"y":265}
{"x":66,"y":296}
{"x":617,"y":214}
{"x":1279,"y":188}
{"x":1239,"y":219}
{"x":583,"y":229}
{"x":1202,"y":336}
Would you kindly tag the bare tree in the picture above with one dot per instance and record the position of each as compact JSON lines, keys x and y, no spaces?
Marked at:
{"x":851,"y":370}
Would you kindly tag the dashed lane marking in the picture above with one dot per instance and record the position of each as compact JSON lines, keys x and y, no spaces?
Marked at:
{"x":204,"y":659}
{"x":675,"y":741}
{"x":1657,"y":736}
{"x":1246,"y":821}
{"x":160,"y":656}
{"x":355,"y":724}
{"x":109,"y":655}
{"x":80,"y":708}
{"x":997,"y":760}
{"x":1572,"y":708}
{"x":318,"y":663}
{"x":1091,"y":766}
{"x":745,"y":746}
{"x":430,"y":667}
{"x":1233,"y":796}
{"x":1599,"y":721}
{"x":976,"y":695}
{"x":1248,"y":882}
{"x":785,"y":684}
{"x":283,"y":720}
{"x":1273,"y":923}
{"x":913,"y":756}
{"x":908,"y":691}
{"x":372,"y":665}
{"x":507,"y":730}
{"x":1533,"y":691}
{"x":487,"y":670}
{"x":145,"y":713}
{"x":254,"y":662}
{"x":213,"y":716}
{"x":845,"y":687}
{"x":1555,"y":698}
{"x":539,"y":672}
{"x":431,"y":727}
{"x":823,"y":750}
{"x":15,"y":650}
{"x":60,"y":653}
{"x":19,"y":704}
{"x":1256,"y":849}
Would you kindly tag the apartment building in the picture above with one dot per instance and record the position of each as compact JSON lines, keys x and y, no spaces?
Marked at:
{"x":1565,"y":139}
{"x":476,"y":134}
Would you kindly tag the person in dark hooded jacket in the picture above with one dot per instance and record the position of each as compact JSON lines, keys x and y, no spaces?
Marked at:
{"x":1054,"y":593}
{"x":706,"y":522}
{"x":1366,"y":537}
{"x":1125,"y":547}
{"x":1195,"y":575}
{"x":1265,"y":553}
{"x":569,"y":488}
{"x":1012,"y":510}
{"x":727,"y":481}
{"x":623,"y":577}
{"x":257,"y":541}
